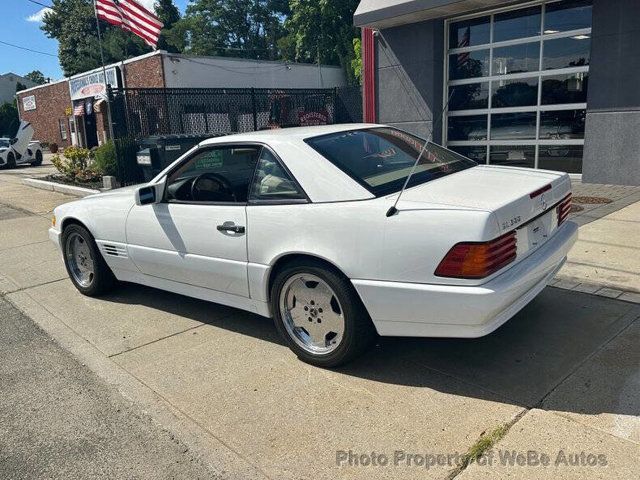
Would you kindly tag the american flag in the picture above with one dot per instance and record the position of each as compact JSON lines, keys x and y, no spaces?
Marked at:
{"x":130,"y":15}
{"x":464,"y":42}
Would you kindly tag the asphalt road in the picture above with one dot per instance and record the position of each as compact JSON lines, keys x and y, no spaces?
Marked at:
{"x":58,"y":420}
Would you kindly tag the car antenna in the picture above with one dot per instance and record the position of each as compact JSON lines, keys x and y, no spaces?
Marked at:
{"x":393,"y":209}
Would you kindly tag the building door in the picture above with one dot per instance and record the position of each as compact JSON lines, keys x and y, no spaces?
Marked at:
{"x":91,"y":131}
{"x":516,"y":85}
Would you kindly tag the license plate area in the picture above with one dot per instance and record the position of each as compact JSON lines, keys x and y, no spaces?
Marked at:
{"x":535,"y":233}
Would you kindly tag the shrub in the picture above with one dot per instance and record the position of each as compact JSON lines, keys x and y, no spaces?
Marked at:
{"x":74,"y":165}
{"x":104,"y":158}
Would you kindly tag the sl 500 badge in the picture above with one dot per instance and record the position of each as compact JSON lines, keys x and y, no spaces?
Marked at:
{"x":510,"y":223}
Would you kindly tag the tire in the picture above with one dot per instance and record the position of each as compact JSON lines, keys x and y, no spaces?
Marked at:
{"x":299,"y":277}
{"x":38,"y":160}
{"x":11,"y":160}
{"x":92,"y":281}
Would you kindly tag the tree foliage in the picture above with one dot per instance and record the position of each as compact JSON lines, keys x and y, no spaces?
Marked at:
{"x":238,"y":28}
{"x":171,"y":39}
{"x":36,"y":77}
{"x":9,"y":121}
{"x":308,"y":31}
{"x":322,"y":31}
{"x":72,"y":23}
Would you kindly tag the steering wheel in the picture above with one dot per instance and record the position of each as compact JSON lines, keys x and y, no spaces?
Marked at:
{"x":218,"y":189}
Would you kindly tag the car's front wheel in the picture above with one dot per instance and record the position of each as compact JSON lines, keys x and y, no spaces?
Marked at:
{"x":319,"y":314}
{"x":85,"y":265}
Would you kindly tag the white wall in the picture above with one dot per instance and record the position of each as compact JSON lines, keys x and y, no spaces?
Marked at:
{"x":8,"y":86}
{"x":218,"y":72}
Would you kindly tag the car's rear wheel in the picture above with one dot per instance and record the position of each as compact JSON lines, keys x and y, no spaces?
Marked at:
{"x":85,"y":265}
{"x":11,"y":160}
{"x":319,"y":314}
{"x":38,"y":160}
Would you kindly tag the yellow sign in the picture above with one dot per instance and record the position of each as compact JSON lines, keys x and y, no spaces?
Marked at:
{"x":68,"y":111}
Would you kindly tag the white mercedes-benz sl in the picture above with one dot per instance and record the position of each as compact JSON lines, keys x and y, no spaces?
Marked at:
{"x":304,"y":225}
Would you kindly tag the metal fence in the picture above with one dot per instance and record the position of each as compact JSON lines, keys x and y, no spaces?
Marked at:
{"x":141,"y":112}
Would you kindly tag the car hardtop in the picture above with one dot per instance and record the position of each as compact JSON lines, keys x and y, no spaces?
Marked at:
{"x":292,"y":133}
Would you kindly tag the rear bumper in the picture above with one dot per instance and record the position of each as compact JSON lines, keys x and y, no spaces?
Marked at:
{"x":421,"y":310}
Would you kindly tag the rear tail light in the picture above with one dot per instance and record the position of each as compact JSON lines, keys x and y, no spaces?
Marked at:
{"x":478,"y":259}
{"x":563,"y":209}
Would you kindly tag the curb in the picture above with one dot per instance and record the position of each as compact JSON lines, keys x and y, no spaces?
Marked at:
{"x":595,"y":289}
{"x":59,"y":187}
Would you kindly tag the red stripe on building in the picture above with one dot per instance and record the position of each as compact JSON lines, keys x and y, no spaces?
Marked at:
{"x":368,"y":76}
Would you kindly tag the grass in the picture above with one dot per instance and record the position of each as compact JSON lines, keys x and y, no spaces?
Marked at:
{"x":484,"y":443}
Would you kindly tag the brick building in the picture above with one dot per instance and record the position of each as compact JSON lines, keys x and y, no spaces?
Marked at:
{"x":72,"y":111}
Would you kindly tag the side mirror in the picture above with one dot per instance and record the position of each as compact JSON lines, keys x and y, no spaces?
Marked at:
{"x":150,"y":193}
{"x":13,"y":141}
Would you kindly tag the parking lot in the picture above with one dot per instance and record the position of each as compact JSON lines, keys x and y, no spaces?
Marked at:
{"x":562,"y":376}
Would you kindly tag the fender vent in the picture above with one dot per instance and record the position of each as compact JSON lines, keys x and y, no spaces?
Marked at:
{"x":115,"y":251}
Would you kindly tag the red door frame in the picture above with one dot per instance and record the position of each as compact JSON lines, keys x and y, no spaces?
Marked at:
{"x":368,"y":76}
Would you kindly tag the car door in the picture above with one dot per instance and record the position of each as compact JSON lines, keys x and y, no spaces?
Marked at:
{"x":197,"y":234}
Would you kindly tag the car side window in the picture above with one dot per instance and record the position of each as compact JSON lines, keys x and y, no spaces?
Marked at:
{"x":219,"y":174}
{"x":272,"y":181}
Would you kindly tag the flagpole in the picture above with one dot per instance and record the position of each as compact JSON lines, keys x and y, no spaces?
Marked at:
{"x":104,"y":73}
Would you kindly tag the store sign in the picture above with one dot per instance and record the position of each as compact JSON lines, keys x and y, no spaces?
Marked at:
{"x":307,"y":119}
{"x":92,"y":85}
{"x":29,"y":103}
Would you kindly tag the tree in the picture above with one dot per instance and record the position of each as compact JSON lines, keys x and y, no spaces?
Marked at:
{"x":322,"y":31}
{"x":356,"y":61}
{"x":20,"y":87}
{"x":72,"y":23}
{"x":170,"y":40}
{"x":36,"y":77}
{"x":9,"y":121}
{"x":237,"y":28}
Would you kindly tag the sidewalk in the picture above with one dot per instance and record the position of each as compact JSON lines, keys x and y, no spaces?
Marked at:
{"x":607,"y":253}
{"x":562,"y":374}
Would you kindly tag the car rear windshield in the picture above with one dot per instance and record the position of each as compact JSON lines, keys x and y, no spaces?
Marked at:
{"x":380,"y":159}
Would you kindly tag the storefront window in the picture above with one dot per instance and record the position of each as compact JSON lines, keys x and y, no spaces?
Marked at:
{"x":524,"y":57}
{"x":565,"y":16}
{"x":528,"y":108}
{"x":62,"y":124}
{"x":513,"y":155}
{"x":516,"y":24}
{"x":566,"y":52}
{"x":469,"y":64}
{"x":513,"y":126}
{"x":469,"y":33}
{"x":468,"y":127}
{"x":469,"y":96}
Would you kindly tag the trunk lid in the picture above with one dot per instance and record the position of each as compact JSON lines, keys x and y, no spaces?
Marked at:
{"x":514,"y":195}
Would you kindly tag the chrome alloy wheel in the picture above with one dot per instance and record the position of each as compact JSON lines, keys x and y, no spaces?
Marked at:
{"x":311,"y":313}
{"x":79,"y":259}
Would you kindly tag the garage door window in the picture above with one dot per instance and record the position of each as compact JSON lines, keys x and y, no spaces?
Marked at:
{"x":517,"y":80}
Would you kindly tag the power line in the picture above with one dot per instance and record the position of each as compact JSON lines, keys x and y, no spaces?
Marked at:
{"x":38,"y":3}
{"x":28,"y":49}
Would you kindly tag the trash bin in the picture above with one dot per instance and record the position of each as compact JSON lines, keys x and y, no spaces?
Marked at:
{"x":158,"y":151}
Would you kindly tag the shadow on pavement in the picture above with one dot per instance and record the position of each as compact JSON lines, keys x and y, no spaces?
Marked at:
{"x":521,"y":363}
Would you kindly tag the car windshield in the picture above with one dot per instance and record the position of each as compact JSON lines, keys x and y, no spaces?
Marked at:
{"x":4,"y":142}
{"x":380,"y":159}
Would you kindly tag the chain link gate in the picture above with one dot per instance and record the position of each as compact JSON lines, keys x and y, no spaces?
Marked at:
{"x":141,"y":112}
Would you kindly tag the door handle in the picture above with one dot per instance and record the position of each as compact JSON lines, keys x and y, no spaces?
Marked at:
{"x":230,"y":227}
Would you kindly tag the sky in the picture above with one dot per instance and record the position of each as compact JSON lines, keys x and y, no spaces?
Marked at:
{"x":21,"y":26}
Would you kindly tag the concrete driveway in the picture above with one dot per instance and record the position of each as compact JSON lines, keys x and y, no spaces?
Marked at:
{"x":563,"y":375}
